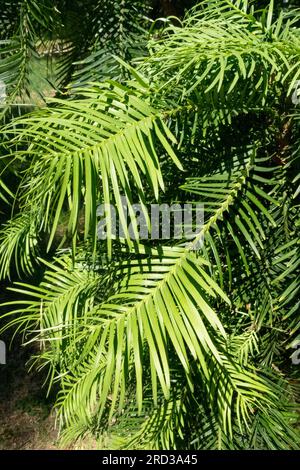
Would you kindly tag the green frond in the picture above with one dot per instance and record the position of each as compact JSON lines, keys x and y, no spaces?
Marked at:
{"x":18,"y":51}
{"x":101,"y":147}
{"x":95,"y":32}
{"x":159,"y":345}
{"x":226,"y":55}
{"x":18,"y":245}
{"x":123,"y":35}
{"x":234,"y":200}
{"x":5,"y":193}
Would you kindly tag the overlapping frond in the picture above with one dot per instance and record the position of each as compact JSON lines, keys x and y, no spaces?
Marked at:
{"x":183,"y":418}
{"x":18,"y":52}
{"x":235,"y":197}
{"x":18,"y":245}
{"x":120,"y":31}
{"x":95,"y":32}
{"x":161,"y":300}
{"x":227,"y":56}
{"x":182,"y":342}
{"x":100,"y":148}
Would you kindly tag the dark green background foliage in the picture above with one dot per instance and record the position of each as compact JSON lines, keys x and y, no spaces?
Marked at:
{"x":155,"y":344}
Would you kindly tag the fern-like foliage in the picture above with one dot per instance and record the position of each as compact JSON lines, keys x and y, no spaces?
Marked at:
{"x":101,"y":159}
{"x":18,"y":47}
{"x":184,"y":344}
{"x":120,"y":31}
{"x":94,"y":32}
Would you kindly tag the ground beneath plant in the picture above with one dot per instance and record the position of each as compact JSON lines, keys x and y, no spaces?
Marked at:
{"x":27,"y":419}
